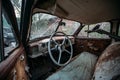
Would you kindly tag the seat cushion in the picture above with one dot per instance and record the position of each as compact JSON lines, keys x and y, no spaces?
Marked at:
{"x":81,"y":68}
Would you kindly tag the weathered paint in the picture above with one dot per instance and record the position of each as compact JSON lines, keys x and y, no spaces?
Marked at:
{"x":92,"y":45}
{"x":108,"y":65}
{"x":81,"y":68}
{"x":20,"y":68}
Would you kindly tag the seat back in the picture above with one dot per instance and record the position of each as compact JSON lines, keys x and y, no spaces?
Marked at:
{"x":108,"y":64}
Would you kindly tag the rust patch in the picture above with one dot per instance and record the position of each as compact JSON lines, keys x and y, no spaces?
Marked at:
{"x":108,"y":65}
{"x":110,"y":53}
{"x":95,"y":46}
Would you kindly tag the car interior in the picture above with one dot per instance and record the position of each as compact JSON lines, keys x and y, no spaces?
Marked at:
{"x":59,"y":40}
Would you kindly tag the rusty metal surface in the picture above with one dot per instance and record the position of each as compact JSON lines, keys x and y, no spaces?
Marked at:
{"x":8,"y":64}
{"x":108,"y":65}
{"x":81,"y":68}
{"x":95,"y":46}
{"x":21,"y":68}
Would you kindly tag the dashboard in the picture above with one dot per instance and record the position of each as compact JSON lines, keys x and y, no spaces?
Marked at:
{"x":40,"y":48}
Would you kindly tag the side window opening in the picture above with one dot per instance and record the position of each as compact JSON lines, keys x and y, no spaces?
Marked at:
{"x":10,"y":41}
{"x":104,"y":25}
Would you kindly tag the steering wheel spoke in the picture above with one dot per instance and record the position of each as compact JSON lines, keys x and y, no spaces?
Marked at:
{"x":54,"y":41}
{"x":67,"y":51}
{"x":53,"y":49}
{"x":60,"y":53}
{"x":63,"y":42}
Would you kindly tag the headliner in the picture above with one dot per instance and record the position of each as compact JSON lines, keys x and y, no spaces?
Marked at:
{"x":84,"y":11}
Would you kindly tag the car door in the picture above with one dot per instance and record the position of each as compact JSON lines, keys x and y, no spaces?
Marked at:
{"x":12,"y":53}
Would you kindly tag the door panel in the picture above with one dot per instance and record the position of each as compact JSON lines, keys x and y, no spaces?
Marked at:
{"x":12,"y":62}
{"x":92,"y":45}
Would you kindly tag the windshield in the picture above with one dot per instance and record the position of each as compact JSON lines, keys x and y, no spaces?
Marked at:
{"x":69,"y":27}
{"x":46,"y":24}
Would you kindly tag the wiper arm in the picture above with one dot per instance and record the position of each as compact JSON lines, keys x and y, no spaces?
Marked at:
{"x":108,"y":33}
{"x":104,"y":32}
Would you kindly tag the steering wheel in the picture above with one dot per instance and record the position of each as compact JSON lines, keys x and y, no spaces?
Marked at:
{"x":61,"y":49}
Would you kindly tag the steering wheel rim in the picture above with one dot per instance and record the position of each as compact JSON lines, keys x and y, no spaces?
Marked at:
{"x":61,"y":48}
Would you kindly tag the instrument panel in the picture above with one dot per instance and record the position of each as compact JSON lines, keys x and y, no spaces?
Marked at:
{"x":39,"y":48}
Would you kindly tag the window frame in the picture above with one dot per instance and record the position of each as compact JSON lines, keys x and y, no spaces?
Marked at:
{"x":1,"y":34}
